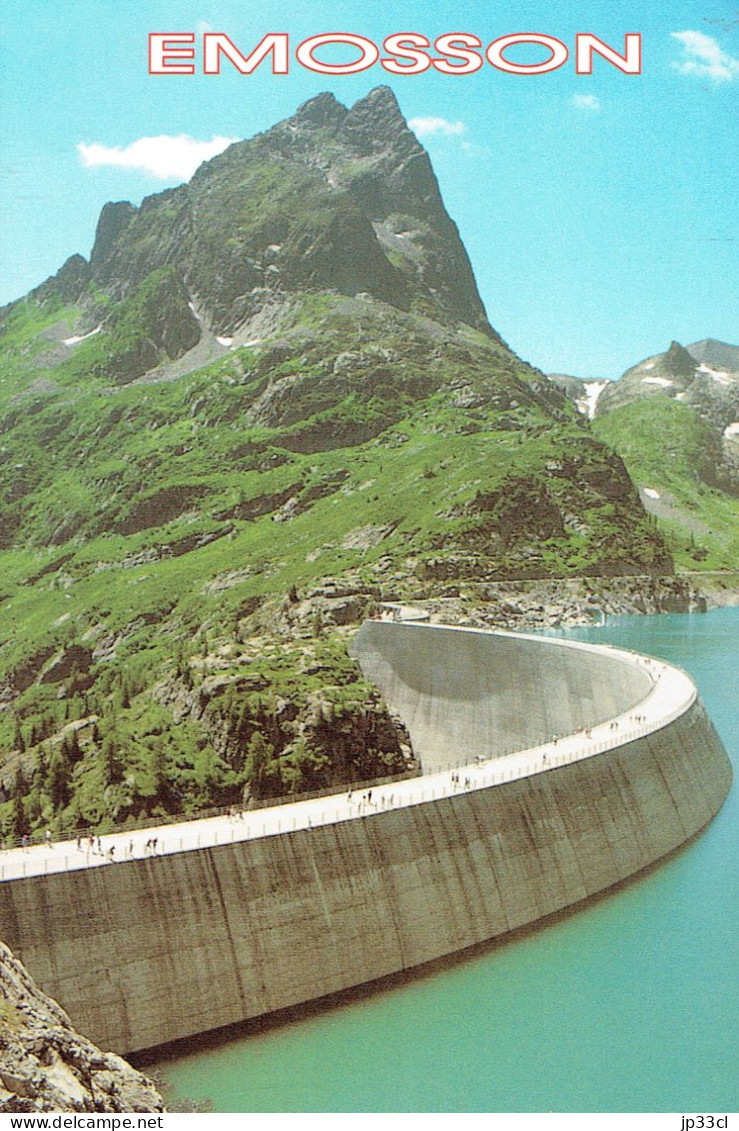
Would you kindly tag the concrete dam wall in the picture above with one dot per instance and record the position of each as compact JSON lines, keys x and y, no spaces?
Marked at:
{"x":152,"y":950}
{"x":464,"y":693}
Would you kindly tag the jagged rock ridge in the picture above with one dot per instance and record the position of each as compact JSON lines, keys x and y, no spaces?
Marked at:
{"x":333,"y":199}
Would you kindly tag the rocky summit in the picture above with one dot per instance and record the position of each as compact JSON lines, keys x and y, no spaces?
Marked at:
{"x":332,"y":200}
{"x":270,"y":401}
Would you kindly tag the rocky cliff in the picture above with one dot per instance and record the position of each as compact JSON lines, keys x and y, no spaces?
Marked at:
{"x":333,"y":199}
{"x":45,"y":1065}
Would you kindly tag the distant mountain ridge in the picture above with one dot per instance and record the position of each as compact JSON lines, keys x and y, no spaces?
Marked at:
{"x":720,"y":355}
{"x":674,"y":418}
{"x":704,"y":375}
{"x":692,"y":375}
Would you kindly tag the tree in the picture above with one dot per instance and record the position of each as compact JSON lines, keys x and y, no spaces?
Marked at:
{"x":259,"y":757}
{"x":20,"y":785}
{"x":304,"y":767}
{"x":19,"y":822}
{"x":57,"y":779}
{"x":41,"y":769}
{"x":112,"y":767}
{"x":156,"y":779}
{"x":182,"y":666}
{"x":71,"y":747}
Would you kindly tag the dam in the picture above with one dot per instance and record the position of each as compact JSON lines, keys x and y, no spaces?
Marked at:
{"x":235,"y":920}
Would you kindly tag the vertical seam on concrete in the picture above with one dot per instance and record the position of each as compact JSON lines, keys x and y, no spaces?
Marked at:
{"x":567,"y":774}
{"x":446,"y":859}
{"x":462,"y":811}
{"x":658,"y":764}
{"x":213,"y":869}
{"x":321,"y":892}
{"x":483,"y":834}
{"x":388,"y":885}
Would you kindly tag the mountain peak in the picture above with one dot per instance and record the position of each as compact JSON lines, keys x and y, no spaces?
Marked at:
{"x":379,"y":100}
{"x":375,"y":124}
{"x":333,"y":199}
{"x":679,"y":361}
{"x":322,"y":110}
{"x":377,"y":111}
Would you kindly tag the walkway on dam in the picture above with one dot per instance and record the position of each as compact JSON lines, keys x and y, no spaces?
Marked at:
{"x":672,"y":693}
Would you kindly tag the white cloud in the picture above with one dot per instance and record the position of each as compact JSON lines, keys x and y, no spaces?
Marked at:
{"x":425,"y":127}
{"x":164,"y":157}
{"x":471,"y":149}
{"x":704,"y":58}
{"x":585,"y":101}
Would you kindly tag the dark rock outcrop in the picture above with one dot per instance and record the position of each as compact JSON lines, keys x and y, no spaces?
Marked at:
{"x":67,"y":286}
{"x":332,"y":199}
{"x":719,"y":355}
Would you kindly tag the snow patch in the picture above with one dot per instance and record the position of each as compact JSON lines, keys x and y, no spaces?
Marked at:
{"x":719,"y":375}
{"x":81,"y":337}
{"x":593,"y":389}
{"x":656,"y":381}
{"x":224,"y":341}
{"x":732,"y":430}
{"x":651,"y":493}
{"x":649,"y":365}
{"x":681,"y":396}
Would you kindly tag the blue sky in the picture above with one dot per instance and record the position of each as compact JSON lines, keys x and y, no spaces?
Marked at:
{"x":599,"y":212}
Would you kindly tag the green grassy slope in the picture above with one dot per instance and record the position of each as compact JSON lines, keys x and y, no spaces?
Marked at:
{"x":179,"y":557}
{"x":669,"y":449}
{"x":187,"y":530}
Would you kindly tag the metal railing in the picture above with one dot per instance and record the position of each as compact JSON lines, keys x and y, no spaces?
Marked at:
{"x":159,"y":821}
{"x":367,"y":800}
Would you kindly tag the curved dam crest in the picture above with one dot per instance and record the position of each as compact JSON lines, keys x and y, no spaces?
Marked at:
{"x":153,"y":950}
{"x":467,"y":693}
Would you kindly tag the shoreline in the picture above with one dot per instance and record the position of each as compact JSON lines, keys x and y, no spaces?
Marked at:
{"x":541,"y":603}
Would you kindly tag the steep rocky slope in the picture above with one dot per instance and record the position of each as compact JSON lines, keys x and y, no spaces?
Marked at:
{"x":45,"y":1065}
{"x":330,"y":200}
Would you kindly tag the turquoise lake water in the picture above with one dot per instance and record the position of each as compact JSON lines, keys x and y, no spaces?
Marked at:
{"x":627,"y":1004}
